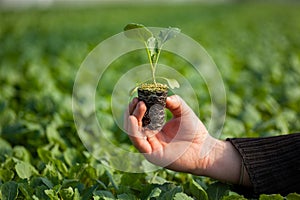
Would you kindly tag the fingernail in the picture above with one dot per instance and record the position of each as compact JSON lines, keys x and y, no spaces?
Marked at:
{"x":170,"y":98}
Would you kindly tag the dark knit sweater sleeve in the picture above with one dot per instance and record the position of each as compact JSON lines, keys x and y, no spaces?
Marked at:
{"x":273,"y":163}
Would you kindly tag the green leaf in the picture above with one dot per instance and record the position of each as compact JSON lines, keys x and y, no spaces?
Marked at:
{"x":234,"y":197}
{"x":54,"y":136}
{"x":155,"y":192}
{"x":26,"y":189}
{"x":197,"y":191}
{"x":111,"y":179}
{"x":5,"y":150}
{"x":217,"y":190}
{"x":76,"y":194}
{"x":47,"y":182}
{"x":88,"y":175}
{"x":133,"y":90}
{"x":126,"y":196}
{"x":40,"y":192}
{"x":182,"y":196}
{"x":53,"y":195}
{"x":24,"y":170}
{"x":88,"y":193}
{"x":167,"y":34}
{"x":293,"y":196}
{"x":72,"y":156}
{"x":21,"y":153}
{"x":69,"y":182}
{"x":135,"y":181}
{"x":152,"y":45}
{"x":172,"y":83}
{"x":44,"y":155}
{"x":6,"y":175}
{"x":270,"y":197}
{"x":67,"y":193}
{"x":52,"y":173}
{"x":169,"y":191}
{"x":251,"y":116}
{"x":9,"y":190}
{"x":137,"y":31}
{"x":104,"y":194}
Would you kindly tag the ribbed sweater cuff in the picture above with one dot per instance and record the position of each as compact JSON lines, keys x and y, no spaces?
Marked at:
{"x":273,"y":163}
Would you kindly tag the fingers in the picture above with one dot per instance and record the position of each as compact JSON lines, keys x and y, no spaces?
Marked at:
{"x":177,"y":106}
{"x":132,"y":105}
{"x":133,"y":125}
{"x":135,"y":112}
{"x":139,"y":112}
{"x":136,"y":136}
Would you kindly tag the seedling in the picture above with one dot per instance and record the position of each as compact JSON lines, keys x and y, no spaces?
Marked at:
{"x":154,"y":94}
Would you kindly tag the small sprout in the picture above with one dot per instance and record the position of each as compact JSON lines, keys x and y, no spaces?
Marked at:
{"x":153,"y":44}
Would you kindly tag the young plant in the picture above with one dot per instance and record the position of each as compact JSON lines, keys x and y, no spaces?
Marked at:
{"x":153,"y":44}
{"x":153,"y":94}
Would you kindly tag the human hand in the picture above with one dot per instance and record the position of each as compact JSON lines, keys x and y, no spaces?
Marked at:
{"x":184,"y":144}
{"x":181,"y":145}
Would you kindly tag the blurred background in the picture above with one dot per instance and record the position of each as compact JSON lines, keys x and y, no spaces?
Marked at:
{"x":255,"y":44}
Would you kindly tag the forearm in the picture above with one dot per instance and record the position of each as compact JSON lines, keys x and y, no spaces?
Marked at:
{"x":273,"y":162}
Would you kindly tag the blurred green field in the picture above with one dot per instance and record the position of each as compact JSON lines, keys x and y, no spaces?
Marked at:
{"x":256,"y":47}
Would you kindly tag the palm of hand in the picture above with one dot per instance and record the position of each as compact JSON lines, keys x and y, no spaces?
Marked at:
{"x":179,"y":141}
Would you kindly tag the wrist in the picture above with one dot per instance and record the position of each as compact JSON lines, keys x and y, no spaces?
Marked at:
{"x":226,"y":164}
{"x":206,"y":156}
{"x":219,"y":160}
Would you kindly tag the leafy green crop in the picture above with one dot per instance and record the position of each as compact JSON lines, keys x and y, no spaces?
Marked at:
{"x":41,"y":155}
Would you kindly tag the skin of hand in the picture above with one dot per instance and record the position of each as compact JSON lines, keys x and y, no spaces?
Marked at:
{"x":183,"y":144}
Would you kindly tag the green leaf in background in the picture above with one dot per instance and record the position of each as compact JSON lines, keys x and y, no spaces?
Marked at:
{"x":125,"y":196}
{"x":52,"y":173}
{"x":137,"y":31}
{"x":197,"y":190}
{"x":182,"y":196}
{"x":217,"y":190}
{"x":89,"y":192}
{"x":22,"y":153}
{"x":271,"y":197}
{"x":53,"y":195}
{"x":251,"y":115}
{"x":67,"y":193}
{"x":5,"y":150}
{"x":293,"y":196}
{"x":25,"y":170}
{"x":9,"y":190}
{"x":47,"y":182}
{"x":234,"y":197}
{"x":40,"y":192}
{"x":155,"y":192}
{"x":6,"y":175}
{"x":76,"y":195}
{"x":133,"y":180}
{"x":26,"y":189}
{"x":72,"y":157}
{"x":169,"y":190}
{"x":111,"y":179}
{"x":103,"y":194}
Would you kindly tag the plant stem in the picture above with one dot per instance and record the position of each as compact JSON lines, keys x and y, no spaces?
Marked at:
{"x":156,"y":61}
{"x":153,"y":65}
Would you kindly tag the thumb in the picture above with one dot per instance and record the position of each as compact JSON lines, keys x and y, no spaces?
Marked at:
{"x":177,"y":106}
